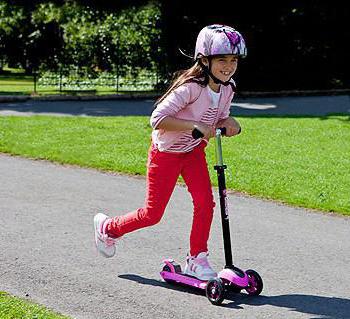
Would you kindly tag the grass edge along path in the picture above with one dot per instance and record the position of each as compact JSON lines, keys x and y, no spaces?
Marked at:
{"x":300,"y":161}
{"x":14,"y":307}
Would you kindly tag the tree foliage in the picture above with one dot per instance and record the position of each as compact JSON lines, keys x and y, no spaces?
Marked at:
{"x":68,"y":33}
{"x":13,"y":21}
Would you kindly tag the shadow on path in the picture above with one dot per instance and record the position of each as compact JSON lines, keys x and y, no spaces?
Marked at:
{"x":321,"y":306}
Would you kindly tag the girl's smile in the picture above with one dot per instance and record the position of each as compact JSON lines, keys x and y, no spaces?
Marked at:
{"x":223,"y":67}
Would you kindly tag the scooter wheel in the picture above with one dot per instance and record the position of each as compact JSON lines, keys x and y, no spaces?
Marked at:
{"x":215,"y":291}
{"x":255,"y":283}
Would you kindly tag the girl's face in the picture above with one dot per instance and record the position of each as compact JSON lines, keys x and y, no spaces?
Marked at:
{"x":222,"y":67}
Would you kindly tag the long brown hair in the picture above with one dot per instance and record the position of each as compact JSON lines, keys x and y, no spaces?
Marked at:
{"x":193,"y":74}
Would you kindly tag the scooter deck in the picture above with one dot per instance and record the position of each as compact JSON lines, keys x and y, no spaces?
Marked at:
{"x":181,"y":278}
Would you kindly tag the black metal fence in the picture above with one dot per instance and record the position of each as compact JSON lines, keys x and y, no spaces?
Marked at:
{"x":78,"y":80}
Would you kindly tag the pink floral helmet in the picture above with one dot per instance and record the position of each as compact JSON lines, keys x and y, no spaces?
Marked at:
{"x":219,"y":39}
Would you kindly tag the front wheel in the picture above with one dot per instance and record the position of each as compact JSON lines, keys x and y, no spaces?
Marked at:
{"x":215,"y":291}
{"x":255,"y":283}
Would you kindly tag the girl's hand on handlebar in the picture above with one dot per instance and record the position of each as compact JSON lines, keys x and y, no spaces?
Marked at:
{"x":231,"y":125}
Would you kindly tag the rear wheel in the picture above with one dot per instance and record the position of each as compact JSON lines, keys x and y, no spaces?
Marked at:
{"x":173,"y":268}
{"x":176,"y":266}
{"x":167,"y":269}
{"x":215,"y":291}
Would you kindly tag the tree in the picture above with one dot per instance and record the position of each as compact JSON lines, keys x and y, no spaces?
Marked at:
{"x":12,"y":31}
{"x":57,"y":33}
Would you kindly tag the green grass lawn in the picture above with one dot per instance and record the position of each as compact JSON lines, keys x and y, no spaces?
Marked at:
{"x":20,"y":84}
{"x":16,"y":84}
{"x":16,"y":308}
{"x":302,"y":161}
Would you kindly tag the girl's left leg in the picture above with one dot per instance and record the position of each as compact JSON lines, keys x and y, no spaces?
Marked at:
{"x":196,"y":176}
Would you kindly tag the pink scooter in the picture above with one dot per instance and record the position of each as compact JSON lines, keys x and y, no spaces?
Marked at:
{"x":230,"y":278}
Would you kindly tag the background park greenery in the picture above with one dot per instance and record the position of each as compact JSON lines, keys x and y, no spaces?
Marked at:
{"x":292,"y":45}
{"x":56,"y":39}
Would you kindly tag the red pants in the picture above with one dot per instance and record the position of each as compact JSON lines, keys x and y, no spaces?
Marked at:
{"x":163,"y":170}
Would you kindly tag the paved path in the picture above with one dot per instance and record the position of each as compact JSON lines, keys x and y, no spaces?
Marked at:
{"x":47,"y":255}
{"x":309,"y":105}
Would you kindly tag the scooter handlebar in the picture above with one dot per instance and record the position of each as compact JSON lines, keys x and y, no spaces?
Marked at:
{"x":196,"y":134}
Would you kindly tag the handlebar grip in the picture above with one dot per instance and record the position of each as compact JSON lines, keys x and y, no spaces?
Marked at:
{"x":223,"y":130}
{"x":196,"y":134}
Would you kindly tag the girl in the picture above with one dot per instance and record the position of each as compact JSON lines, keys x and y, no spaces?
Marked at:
{"x":199,"y":99}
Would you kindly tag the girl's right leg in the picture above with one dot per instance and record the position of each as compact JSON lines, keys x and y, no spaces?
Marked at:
{"x":163,"y":170}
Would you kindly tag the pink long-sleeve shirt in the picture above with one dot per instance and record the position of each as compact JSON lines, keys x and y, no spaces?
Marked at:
{"x":192,"y":102}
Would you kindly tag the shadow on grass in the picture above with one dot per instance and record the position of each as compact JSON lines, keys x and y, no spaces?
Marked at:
{"x":13,"y":93}
{"x":336,"y":117}
{"x":331,"y":116}
{"x":320,"y":306}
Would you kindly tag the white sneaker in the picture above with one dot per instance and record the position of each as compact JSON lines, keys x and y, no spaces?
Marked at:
{"x":198,"y":266}
{"x":104,"y":244}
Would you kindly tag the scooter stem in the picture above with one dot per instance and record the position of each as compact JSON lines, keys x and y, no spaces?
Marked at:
{"x":220,"y":169}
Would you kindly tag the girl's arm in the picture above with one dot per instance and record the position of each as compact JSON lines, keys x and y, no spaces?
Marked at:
{"x":171,"y":105}
{"x":170,"y":123}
